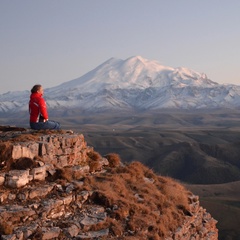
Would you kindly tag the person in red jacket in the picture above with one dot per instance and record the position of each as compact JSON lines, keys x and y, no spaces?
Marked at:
{"x":38,"y":111}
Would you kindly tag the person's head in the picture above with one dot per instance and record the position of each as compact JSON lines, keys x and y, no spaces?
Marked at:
{"x":37,"y":88}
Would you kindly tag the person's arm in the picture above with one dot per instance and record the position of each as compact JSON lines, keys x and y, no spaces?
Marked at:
{"x":43,"y":109}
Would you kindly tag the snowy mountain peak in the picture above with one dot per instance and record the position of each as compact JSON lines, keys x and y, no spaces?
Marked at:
{"x":134,"y":83}
{"x":135,"y":60}
{"x":135,"y":72}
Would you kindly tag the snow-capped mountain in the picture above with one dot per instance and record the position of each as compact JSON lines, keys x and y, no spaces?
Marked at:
{"x":134,"y":83}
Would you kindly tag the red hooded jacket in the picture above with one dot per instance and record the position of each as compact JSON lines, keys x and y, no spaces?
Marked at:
{"x":37,"y":107}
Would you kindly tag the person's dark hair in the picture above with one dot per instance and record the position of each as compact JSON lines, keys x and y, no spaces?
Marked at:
{"x":35,"y":88}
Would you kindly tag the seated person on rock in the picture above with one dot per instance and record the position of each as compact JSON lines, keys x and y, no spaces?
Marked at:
{"x":38,"y":111}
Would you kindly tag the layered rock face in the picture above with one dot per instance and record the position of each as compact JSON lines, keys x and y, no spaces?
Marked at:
{"x":54,"y":186}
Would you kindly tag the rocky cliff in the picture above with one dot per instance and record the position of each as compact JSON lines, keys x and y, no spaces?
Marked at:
{"x":54,"y":186}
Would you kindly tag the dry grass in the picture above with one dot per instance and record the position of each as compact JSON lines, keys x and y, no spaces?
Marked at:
{"x":65,"y":173}
{"x":94,"y":156}
{"x":141,"y":201}
{"x":5,"y":153}
{"x":95,"y":166}
{"x":69,"y":173}
{"x":6,"y":228}
{"x":94,"y":159}
{"x":113,"y":159}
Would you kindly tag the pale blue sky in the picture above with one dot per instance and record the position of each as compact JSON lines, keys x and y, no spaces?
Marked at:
{"x":54,"y":41}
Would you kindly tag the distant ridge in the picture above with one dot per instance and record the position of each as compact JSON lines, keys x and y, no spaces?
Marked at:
{"x":132,"y":84}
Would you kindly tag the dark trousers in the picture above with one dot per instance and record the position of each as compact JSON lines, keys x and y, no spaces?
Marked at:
{"x":45,"y":125}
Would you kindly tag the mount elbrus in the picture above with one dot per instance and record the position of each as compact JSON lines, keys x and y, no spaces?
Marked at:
{"x":132,"y":84}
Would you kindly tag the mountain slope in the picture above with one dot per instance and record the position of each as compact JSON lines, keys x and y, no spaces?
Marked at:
{"x":135,"y":83}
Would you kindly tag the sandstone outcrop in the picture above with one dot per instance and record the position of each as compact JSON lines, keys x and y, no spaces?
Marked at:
{"x":54,"y":186}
